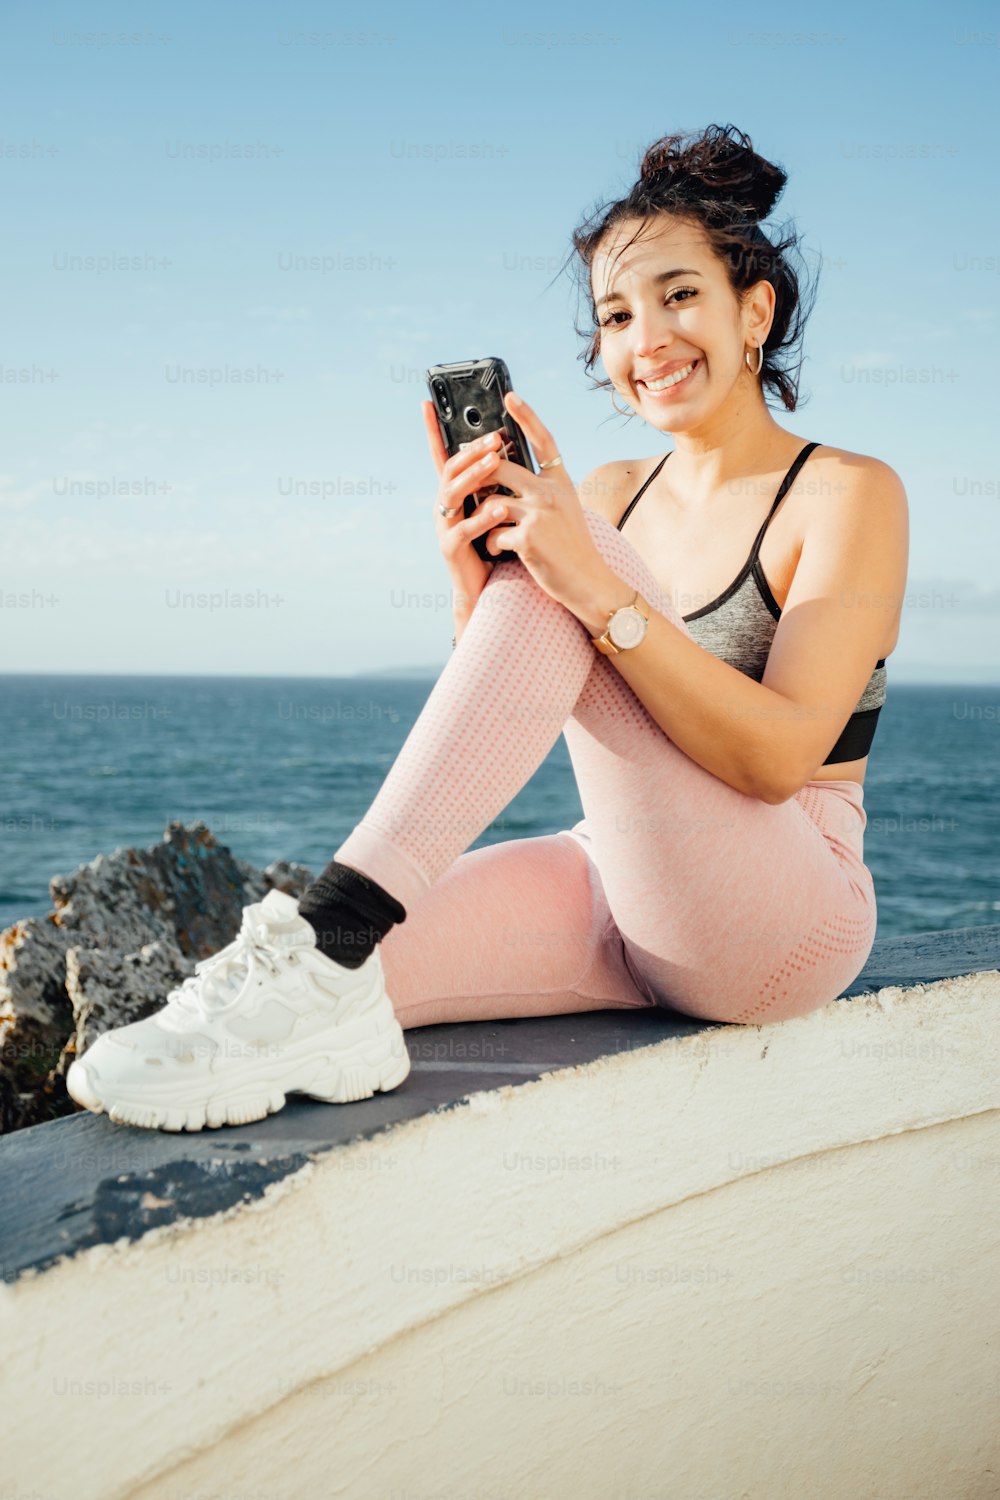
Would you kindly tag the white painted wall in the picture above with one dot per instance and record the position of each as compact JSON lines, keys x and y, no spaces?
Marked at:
{"x":767,"y":1256}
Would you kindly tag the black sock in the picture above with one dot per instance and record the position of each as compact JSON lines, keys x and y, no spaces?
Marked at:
{"x":349,"y":913}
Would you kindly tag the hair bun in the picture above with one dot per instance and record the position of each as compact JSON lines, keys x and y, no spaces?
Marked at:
{"x":718,"y":164}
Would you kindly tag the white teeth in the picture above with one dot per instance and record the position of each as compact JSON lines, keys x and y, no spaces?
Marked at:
{"x":661,"y":385}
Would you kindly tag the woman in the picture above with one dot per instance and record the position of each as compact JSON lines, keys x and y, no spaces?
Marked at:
{"x":720,"y":749}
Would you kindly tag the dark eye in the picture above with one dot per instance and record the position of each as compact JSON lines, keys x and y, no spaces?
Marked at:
{"x":681,"y":291}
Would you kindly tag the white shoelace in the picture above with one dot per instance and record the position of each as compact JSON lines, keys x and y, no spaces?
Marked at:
{"x":218,"y":981}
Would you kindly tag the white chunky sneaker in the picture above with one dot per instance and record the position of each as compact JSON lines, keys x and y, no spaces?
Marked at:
{"x":268,"y":1016}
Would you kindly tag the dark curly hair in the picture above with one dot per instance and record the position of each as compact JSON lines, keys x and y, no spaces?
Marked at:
{"x":716,"y":180}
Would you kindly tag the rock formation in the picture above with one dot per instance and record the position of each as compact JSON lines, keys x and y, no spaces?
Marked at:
{"x":125,"y":929}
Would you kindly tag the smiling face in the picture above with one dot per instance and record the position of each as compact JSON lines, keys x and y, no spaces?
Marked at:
{"x":666,"y":310}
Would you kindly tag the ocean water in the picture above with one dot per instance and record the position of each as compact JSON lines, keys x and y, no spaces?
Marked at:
{"x":285,"y":768}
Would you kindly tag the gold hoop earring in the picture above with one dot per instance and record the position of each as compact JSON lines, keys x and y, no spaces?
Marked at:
{"x":627,"y":412}
{"x":760,"y":360}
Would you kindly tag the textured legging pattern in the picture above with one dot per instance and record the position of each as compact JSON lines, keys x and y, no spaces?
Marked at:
{"x":675,"y":889}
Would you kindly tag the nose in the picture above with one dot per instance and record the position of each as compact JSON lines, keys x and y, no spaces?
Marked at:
{"x":651,"y":333}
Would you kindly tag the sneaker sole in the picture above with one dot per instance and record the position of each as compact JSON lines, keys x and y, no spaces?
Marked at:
{"x":374,"y":1063}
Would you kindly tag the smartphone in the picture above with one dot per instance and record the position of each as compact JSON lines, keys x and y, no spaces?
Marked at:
{"x":468,"y":399}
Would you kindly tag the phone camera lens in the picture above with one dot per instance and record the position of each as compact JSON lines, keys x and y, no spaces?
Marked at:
{"x":441,"y":395}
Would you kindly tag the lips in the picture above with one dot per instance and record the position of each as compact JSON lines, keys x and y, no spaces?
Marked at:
{"x":677,"y":381}
{"x":677,"y":364}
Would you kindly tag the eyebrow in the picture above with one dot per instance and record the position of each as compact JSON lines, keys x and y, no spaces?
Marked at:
{"x":657,"y":280}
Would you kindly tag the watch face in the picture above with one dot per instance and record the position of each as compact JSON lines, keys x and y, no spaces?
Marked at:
{"x":627,"y":627}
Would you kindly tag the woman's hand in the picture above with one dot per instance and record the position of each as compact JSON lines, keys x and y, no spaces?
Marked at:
{"x":468,"y":470}
{"x":551,"y":536}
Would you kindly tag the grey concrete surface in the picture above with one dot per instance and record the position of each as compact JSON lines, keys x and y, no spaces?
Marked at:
{"x":83,"y":1181}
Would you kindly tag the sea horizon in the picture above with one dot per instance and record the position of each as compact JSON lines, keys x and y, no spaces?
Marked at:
{"x":283,"y":767}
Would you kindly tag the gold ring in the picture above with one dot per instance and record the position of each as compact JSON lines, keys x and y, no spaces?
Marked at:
{"x":551,"y":463}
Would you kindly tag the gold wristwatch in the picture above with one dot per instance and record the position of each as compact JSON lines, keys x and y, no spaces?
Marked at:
{"x":627,"y":628}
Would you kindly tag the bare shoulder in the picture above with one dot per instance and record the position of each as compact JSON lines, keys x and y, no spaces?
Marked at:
{"x":850,"y":474}
{"x":854,"y":511}
{"x":608,"y":488}
{"x":851,"y":500}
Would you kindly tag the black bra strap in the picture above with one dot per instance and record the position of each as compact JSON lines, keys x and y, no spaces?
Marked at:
{"x":783,"y":489}
{"x":642,"y":490}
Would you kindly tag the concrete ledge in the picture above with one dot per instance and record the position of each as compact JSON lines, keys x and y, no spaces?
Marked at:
{"x":624,"y":1256}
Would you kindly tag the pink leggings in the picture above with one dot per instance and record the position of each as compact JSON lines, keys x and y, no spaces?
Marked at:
{"x":675,"y":890}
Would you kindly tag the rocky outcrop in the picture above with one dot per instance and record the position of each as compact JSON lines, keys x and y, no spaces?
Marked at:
{"x":125,"y":929}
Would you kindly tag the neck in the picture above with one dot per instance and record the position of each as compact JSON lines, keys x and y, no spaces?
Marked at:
{"x":740,"y":441}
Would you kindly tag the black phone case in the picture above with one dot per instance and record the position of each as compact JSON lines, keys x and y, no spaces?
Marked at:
{"x":468,"y":400}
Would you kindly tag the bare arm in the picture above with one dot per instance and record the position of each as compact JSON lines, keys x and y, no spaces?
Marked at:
{"x":767,"y":739}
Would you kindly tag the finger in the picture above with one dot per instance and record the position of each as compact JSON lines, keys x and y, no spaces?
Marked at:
{"x":503,"y":542}
{"x":468,"y":458}
{"x":447,"y":522}
{"x":438,"y":451}
{"x":476,"y":480}
{"x":455,"y":496}
{"x":477,"y":474}
{"x":504,"y":527}
{"x":491,"y":513}
{"x":542,"y":442}
{"x":515,"y":477}
{"x":510,"y":474}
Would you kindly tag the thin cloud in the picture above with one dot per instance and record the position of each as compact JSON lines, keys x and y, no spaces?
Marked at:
{"x":15,"y":497}
{"x":281,"y":315}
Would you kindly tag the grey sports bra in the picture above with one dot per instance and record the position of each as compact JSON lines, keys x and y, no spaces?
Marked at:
{"x":739,"y":627}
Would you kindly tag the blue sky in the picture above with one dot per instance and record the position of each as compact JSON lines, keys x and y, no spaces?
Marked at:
{"x":257,"y":187}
